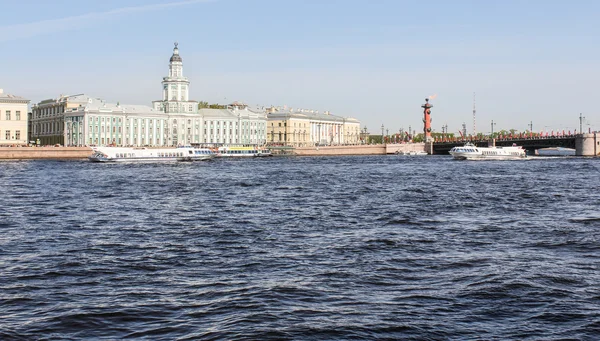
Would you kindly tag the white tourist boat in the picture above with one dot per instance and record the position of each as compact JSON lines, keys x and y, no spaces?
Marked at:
{"x":143,"y":154}
{"x":471,"y":152}
{"x":238,"y":151}
{"x":555,"y":151}
{"x":411,"y":153}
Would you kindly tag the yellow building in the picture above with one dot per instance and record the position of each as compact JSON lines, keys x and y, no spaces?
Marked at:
{"x":48,"y":117}
{"x":304,"y":128}
{"x":13,"y":119}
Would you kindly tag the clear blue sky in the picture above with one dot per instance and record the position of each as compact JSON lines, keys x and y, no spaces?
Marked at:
{"x":374,"y":60}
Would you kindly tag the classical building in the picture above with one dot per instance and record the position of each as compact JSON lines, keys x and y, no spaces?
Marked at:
{"x":237,"y":124}
{"x":13,"y":119}
{"x":173,"y":120}
{"x":47,"y":118}
{"x":302,"y":128}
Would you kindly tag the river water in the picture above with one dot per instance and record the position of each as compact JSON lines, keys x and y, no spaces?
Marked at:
{"x":301,"y":248}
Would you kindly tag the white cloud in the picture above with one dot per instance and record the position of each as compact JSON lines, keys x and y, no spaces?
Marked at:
{"x":22,"y":31}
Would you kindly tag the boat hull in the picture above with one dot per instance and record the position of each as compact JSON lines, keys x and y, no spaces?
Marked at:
{"x":122,"y":154}
{"x":243,"y":152}
{"x":459,"y":156}
{"x":472,"y":152}
{"x":559,"y":151}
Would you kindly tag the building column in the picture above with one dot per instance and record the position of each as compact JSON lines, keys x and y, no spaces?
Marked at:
{"x":65,"y":139}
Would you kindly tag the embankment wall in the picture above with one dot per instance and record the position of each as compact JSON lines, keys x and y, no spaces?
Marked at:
{"x":44,"y":152}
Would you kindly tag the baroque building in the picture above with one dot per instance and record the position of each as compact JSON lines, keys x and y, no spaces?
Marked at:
{"x":306,"y":128}
{"x":13,"y":119}
{"x":174,"y":120}
{"x":47,"y":118}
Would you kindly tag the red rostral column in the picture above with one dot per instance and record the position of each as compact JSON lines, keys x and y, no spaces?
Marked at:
{"x":427,"y":119}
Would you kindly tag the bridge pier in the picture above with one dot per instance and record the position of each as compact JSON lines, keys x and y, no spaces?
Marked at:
{"x":587,"y":144}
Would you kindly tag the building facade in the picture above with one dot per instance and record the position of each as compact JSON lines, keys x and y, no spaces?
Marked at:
{"x":174,"y":120}
{"x":304,"y":128}
{"x":13,"y":120}
{"x":47,"y":119}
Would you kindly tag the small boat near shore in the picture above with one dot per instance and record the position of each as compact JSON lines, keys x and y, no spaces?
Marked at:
{"x":238,"y":151}
{"x":555,"y":151}
{"x":411,"y":153}
{"x":471,"y":152}
{"x":144,"y":154}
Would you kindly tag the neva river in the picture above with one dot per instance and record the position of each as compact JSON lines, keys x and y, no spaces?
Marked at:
{"x":313,"y":248}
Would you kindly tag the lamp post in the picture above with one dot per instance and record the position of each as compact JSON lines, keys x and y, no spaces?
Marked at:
{"x":493,"y":124}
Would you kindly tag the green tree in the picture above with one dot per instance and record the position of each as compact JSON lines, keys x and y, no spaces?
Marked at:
{"x":204,"y":105}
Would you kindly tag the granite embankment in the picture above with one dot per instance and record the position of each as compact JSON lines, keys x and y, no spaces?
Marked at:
{"x":17,"y":153}
{"x":376,"y":149}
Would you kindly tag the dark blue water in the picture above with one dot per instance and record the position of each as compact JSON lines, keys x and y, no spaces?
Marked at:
{"x":315,"y":248}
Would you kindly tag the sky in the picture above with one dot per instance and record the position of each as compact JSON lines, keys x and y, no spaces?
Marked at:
{"x":527,"y":62}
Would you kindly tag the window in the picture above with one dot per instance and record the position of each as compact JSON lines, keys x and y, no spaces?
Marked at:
{"x":18,"y":116}
{"x":7,"y":116}
{"x":8,"y":134}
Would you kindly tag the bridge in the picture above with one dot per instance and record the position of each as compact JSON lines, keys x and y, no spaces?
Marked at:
{"x":584,"y":144}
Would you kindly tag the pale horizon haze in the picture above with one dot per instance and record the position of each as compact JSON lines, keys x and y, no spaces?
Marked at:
{"x":527,"y":61}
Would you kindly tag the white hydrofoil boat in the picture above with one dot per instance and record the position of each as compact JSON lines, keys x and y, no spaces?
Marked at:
{"x":471,"y":152}
{"x":143,"y":154}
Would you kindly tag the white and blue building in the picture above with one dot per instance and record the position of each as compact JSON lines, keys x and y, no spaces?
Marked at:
{"x":81,"y":120}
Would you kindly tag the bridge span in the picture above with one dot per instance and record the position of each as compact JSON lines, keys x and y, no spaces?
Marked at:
{"x":584,"y":144}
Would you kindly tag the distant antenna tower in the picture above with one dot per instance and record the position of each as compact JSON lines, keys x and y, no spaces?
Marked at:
{"x":474,"y":111}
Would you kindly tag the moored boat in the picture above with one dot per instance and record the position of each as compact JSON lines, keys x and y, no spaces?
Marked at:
{"x":555,"y":151}
{"x":144,"y":154}
{"x":471,"y":152}
{"x":240,"y":151}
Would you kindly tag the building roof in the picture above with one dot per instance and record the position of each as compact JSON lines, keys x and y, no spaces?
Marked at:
{"x":11,"y":98}
{"x":309,"y":115}
{"x":176,"y":57}
{"x":96,"y":104}
{"x":230,"y":113}
{"x":79,"y":98}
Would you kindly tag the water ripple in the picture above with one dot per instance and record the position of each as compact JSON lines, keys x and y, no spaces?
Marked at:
{"x":315,"y":248}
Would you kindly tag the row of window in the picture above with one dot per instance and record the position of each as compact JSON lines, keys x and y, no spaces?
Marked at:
{"x":143,"y":141}
{"x":8,"y":136}
{"x":45,"y":112}
{"x":150,"y":122}
{"x":8,"y":115}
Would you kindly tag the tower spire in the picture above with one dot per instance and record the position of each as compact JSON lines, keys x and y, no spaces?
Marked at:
{"x":474,"y":111}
